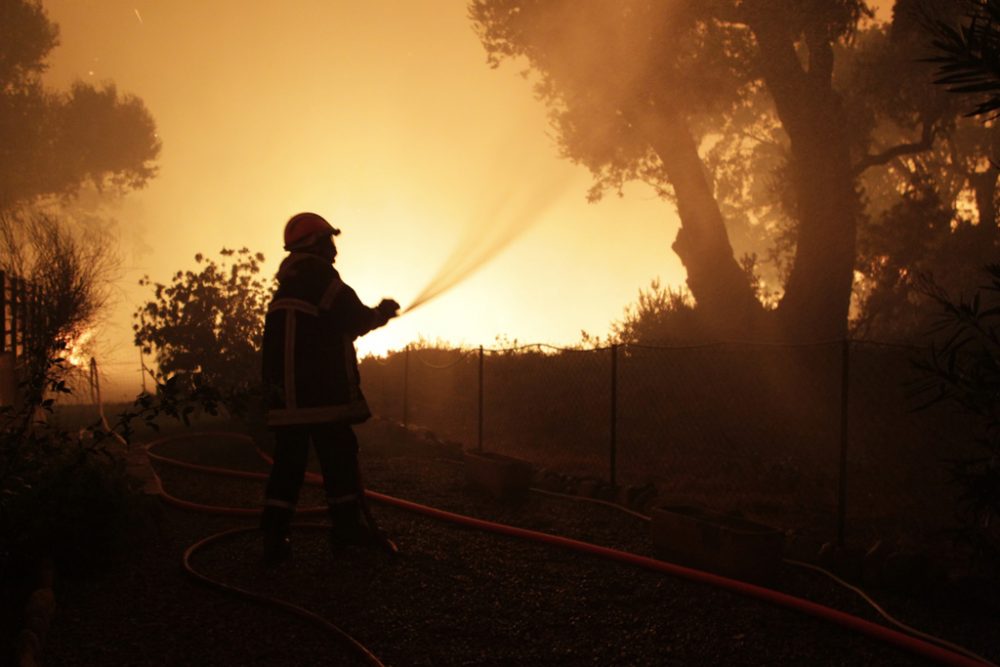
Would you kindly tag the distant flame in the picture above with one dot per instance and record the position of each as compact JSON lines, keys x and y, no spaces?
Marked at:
{"x":75,"y":354}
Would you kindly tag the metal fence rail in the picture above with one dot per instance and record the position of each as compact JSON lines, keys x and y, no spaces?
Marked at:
{"x":821,"y":438}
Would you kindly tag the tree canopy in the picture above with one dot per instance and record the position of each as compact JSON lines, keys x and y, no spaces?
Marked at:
{"x":785,"y":133}
{"x":54,"y":142}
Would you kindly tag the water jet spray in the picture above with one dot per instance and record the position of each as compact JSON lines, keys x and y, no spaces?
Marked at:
{"x":509,"y":215}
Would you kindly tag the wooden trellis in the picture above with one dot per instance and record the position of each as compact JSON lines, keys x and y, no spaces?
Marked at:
{"x":19,"y":313}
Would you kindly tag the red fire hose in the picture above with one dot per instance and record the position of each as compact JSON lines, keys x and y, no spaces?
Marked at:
{"x":906,"y":642}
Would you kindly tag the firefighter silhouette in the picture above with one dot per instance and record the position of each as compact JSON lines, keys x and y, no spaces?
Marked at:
{"x":313,"y":390}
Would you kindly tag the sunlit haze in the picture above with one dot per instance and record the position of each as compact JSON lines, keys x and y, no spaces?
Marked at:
{"x":384,"y":117}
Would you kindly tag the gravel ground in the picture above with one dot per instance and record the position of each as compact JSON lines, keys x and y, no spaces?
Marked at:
{"x":453,"y":596}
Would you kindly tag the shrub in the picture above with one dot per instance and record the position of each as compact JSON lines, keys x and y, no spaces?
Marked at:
{"x":661,"y":316}
{"x":66,"y":494}
{"x":79,"y":506}
{"x":208,"y":323}
{"x":61,"y":494}
{"x":963,"y":368}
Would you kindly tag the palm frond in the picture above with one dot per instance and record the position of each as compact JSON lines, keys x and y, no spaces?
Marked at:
{"x":968,"y":57}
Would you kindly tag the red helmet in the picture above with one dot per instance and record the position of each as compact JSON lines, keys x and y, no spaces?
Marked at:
{"x":304,"y":229}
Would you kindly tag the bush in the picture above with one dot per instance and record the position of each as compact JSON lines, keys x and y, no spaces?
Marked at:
{"x":80,"y":508}
{"x":66,"y":494}
{"x":209,"y":323}
{"x":61,"y":494}
{"x":661,"y":316}
{"x":963,"y":368}
{"x":206,"y":330}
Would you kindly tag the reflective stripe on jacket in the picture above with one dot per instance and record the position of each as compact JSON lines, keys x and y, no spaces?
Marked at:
{"x":310,"y":366}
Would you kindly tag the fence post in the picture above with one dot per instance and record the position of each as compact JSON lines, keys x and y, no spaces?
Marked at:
{"x":29,"y":317}
{"x":845,"y":361}
{"x":142,"y":370}
{"x":406,"y":386}
{"x":37,"y":313}
{"x":614,"y":415}
{"x":13,"y":315}
{"x":479,"y":419}
{"x":3,"y":312}
{"x":22,"y":319}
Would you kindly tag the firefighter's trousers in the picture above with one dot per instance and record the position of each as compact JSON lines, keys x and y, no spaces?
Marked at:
{"x":337,"y":450}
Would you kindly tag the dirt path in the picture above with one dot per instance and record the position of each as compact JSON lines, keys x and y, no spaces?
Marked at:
{"x":453,"y":596}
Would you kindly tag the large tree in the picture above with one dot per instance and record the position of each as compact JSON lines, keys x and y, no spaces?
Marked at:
{"x":55,"y":142}
{"x":55,"y":146}
{"x":750,"y":115}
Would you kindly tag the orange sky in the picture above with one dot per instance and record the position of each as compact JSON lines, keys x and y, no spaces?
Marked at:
{"x":382,"y":116}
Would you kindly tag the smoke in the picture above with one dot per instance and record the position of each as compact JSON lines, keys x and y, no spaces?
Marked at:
{"x":509,"y":214}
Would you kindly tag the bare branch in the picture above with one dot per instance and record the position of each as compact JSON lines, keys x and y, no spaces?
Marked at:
{"x":925,"y":143}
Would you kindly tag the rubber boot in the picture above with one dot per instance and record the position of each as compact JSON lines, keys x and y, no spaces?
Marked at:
{"x":353,"y":526}
{"x":349,"y":527}
{"x":276,"y":522}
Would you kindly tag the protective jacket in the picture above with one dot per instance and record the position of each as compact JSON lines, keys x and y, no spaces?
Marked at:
{"x":310,"y":366}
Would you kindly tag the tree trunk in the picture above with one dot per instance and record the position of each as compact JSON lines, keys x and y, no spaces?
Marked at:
{"x":818,"y":292}
{"x":726,"y":302}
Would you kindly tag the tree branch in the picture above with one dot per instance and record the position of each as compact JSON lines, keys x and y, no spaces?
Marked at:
{"x":726,"y":12}
{"x":925,"y":143}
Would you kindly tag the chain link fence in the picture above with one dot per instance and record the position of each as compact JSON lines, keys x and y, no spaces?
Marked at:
{"x":823,"y":438}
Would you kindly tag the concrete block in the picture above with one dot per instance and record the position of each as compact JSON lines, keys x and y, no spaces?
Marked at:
{"x":607,"y":491}
{"x":503,"y":477}
{"x":641,"y":496}
{"x":716,"y":542}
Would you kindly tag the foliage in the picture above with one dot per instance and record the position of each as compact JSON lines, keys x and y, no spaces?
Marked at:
{"x":27,"y":37}
{"x":934,"y":212}
{"x":970,"y":55}
{"x":66,"y":494}
{"x":779,"y":129}
{"x":206,"y":327}
{"x":911,"y":239}
{"x":707,"y":102}
{"x":964,"y":369}
{"x":56,"y":142}
{"x":57,"y":145}
{"x":596,"y":62}
{"x":70,"y":271}
{"x":661,"y":315}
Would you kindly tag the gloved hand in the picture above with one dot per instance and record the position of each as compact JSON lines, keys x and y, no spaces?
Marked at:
{"x":388,"y":308}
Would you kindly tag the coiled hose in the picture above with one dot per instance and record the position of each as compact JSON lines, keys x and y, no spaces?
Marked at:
{"x":909,"y":643}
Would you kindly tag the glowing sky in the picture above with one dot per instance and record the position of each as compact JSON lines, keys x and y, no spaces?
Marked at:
{"x":382,"y":116}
